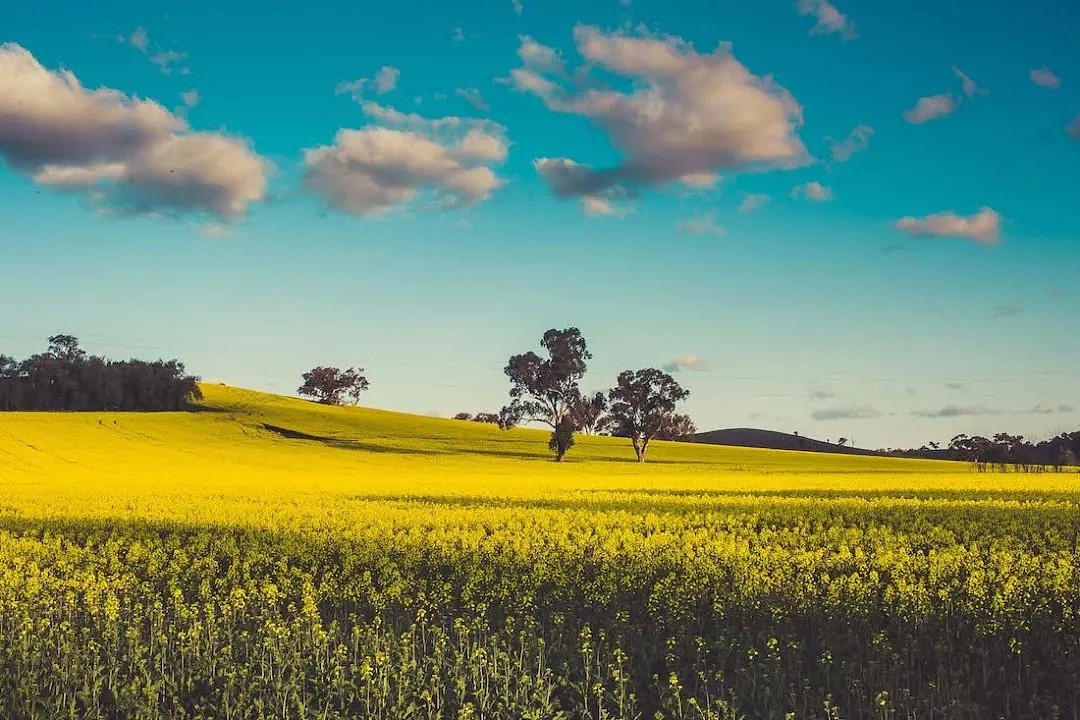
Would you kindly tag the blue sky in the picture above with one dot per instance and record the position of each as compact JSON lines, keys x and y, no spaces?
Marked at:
{"x":921,"y":283}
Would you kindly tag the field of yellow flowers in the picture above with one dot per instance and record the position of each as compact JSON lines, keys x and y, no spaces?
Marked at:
{"x":271,"y":558}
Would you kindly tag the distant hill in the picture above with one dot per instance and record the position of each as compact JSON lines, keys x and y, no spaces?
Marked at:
{"x":774,"y":440}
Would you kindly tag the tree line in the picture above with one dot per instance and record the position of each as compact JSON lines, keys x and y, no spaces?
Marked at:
{"x":64,"y":377}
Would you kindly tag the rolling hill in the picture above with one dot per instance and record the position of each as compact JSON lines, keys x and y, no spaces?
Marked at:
{"x":774,"y":440}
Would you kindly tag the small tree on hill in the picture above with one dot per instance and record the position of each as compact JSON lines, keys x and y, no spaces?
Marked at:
{"x":486,"y":417}
{"x":331,"y":385}
{"x":543,"y":390}
{"x":463,"y":416}
{"x":642,"y":403}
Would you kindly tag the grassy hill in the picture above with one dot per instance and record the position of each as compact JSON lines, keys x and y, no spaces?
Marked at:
{"x":241,"y":439}
{"x":774,"y":440}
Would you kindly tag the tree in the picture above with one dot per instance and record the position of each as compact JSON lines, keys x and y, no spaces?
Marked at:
{"x":589,"y":413}
{"x":486,"y":417}
{"x":562,"y":438}
{"x":676,"y":427}
{"x":65,"y":348}
{"x":543,"y":390}
{"x":463,"y":416}
{"x":331,"y":385}
{"x":642,"y":402}
{"x":842,"y":441}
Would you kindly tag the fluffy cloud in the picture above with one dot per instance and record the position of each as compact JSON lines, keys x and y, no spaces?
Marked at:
{"x":857,"y":141}
{"x":1045,"y":77}
{"x":930,"y":108}
{"x":752,"y":201}
{"x":951,"y":411}
{"x":388,"y":165}
{"x":701,"y":225}
{"x":473,"y":97}
{"x":813,"y":191}
{"x":688,"y":116}
{"x":845,"y":413}
{"x":124,"y":154}
{"x":982,"y":227}
{"x":829,"y":19}
{"x":687,"y":362}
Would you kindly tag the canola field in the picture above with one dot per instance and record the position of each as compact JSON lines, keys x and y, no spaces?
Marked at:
{"x":270,"y":558}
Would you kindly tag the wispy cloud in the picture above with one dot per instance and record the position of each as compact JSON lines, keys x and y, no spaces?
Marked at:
{"x":472,"y":96}
{"x":687,"y":362}
{"x":752,"y":201}
{"x":385,"y":80}
{"x":1045,"y":77}
{"x":168,"y":61}
{"x":829,"y":19}
{"x":930,"y":108}
{"x":969,"y":86}
{"x":1073,"y":128}
{"x":983,"y":227}
{"x":845,"y":413}
{"x":950,"y":411}
{"x":1008,"y":311}
{"x":813,"y":191}
{"x":857,"y":141}
{"x":821,"y":394}
{"x":954,"y":385}
{"x":700,"y":225}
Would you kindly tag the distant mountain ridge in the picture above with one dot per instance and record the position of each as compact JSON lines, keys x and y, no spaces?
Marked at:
{"x":774,"y":440}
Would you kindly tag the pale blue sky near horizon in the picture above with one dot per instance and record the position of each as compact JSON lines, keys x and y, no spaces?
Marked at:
{"x":817,"y":316}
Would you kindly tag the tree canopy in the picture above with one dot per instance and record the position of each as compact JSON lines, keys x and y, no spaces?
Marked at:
{"x":544,"y":389}
{"x":334,"y":386}
{"x":643,"y":406}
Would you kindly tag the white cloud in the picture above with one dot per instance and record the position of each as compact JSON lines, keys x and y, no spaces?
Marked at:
{"x":982,"y":227}
{"x":845,"y":413}
{"x":813,"y":191}
{"x":930,"y":108}
{"x":458,"y":35}
{"x":518,"y":6}
{"x":829,"y":19}
{"x":124,"y":154}
{"x":700,"y":225}
{"x":688,"y":116}
{"x":388,"y":165}
{"x":857,"y":141}
{"x":140,"y":39}
{"x":694,"y":363}
{"x":190,"y":98}
{"x":1045,"y":77}
{"x":1042,"y":409}
{"x":752,"y":202}
{"x":473,"y":97}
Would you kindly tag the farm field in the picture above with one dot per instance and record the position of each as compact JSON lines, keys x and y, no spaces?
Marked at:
{"x":271,"y":558}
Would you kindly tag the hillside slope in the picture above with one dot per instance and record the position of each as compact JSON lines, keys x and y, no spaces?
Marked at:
{"x":243,"y":441}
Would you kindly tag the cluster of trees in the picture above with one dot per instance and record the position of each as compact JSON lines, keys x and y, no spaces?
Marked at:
{"x":641,"y":406}
{"x":64,"y":377}
{"x":1004,"y":450}
{"x":482,"y":417}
